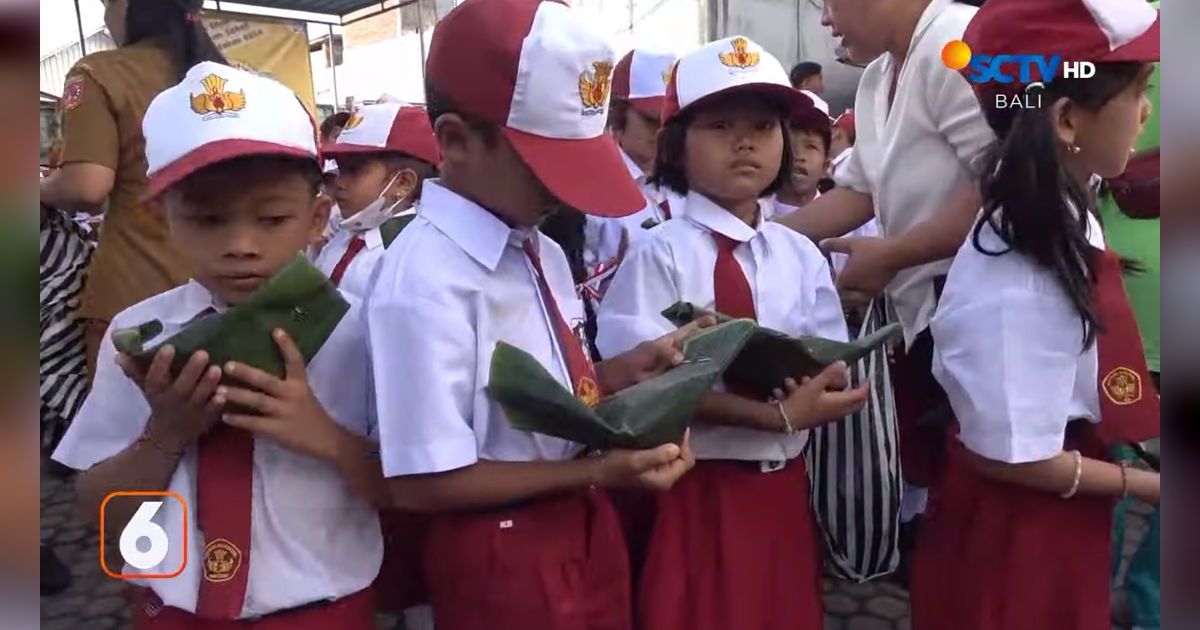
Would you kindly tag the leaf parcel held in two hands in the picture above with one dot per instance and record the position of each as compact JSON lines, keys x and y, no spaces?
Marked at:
{"x":771,"y":357}
{"x":299,"y":299}
{"x":649,"y":414}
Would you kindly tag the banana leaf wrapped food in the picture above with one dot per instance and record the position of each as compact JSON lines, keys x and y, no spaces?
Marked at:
{"x":770,"y":357}
{"x":299,"y":299}
{"x":649,"y":414}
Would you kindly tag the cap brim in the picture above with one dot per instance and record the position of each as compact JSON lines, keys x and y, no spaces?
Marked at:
{"x":1144,"y":48}
{"x":586,"y":174}
{"x":649,"y":105}
{"x":791,"y":98}
{"x":337,"y":148}
{"x":214,"y":152}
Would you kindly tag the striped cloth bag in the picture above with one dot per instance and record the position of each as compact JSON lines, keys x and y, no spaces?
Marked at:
{"x":854,"y":469}
{"x":66,"y":247}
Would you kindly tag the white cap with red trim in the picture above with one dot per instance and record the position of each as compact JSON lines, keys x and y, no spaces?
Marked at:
{"x":733,"y":64}
{"x":389,"y":127}
{"x":218,"y":113}
{"x":641,"y":78}
{"x":540,"y":71}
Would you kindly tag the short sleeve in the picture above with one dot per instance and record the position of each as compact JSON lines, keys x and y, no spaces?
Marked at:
{"x":1007,"y":357}
{"x":111,"y":418}
{"x":423,"y":366}
{"x":823,"y":307}
{"x":958,"y":117}
{"x":632,"y":308}
{"x":850,"y":174}
{"x":89,"y":121}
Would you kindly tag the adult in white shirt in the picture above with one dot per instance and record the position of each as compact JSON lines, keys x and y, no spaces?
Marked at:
{"x":920,"y":135}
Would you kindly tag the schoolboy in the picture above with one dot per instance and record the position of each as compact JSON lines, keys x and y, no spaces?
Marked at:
{"x":383,"y":155}
{"x":523,"y":535}
{"x":233,"y":159}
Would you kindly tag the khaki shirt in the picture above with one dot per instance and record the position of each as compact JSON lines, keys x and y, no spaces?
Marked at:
{"x":104,"y":100}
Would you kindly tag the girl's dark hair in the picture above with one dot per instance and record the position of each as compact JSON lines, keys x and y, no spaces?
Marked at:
{"x":565,"y":227}
{"x":1030,"y":199}
{"x":176,"y":23}
{"x":618,"y":112}
{"x":669,"y":170}
{"x":338,"y":120}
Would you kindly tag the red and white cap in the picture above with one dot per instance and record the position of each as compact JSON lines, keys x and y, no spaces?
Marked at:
{"x":845,"y":122}
{"x":811,"y":113}
{"x":733,"y":64}
{"x":641,"y":78}
{"x":540,"y":71}
{"x":218,"y":113}
{"x":389,"y":127}
{"x":1077,"y":30}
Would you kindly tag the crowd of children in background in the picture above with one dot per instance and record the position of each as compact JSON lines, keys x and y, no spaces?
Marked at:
{"x":559,"y":201}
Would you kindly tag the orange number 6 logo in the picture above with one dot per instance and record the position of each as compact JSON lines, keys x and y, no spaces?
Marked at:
{"x":142,"y":527}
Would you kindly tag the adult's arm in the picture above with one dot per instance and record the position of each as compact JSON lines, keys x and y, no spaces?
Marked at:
{"x":78,"y":187}
{"x":91,"y":146}
{"x":834,"y":213}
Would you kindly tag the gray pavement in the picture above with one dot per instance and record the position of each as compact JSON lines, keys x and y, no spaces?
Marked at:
{"x":96,"y":602}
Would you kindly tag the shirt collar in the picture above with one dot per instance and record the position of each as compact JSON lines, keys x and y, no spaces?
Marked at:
{"x":709,"y":215}
{"x":191,"y":300}
{"x":635,"y":171}
{"x":479,"y":233}
{"x":930,"y":14}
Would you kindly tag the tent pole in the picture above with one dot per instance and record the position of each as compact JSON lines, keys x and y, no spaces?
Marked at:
{"x":79,"y":25}
{"x":421,"y":33}
{"x":333,"y":68}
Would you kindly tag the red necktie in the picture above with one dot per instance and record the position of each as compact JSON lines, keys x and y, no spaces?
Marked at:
{"x":731,"y":290}
{"x":1129,"y":404}
{"x":666,"y":209}
{"x":356,"y":245}
{"x":224,"y":481}
{"x":579,"y":367}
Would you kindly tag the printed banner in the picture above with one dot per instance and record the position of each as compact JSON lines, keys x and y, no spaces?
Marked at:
{"x":271,"y":47}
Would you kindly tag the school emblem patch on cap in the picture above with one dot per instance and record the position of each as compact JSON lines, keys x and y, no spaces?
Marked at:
{"x":594,"y":87}
{"x":740,"y":57}
{"x":215,"y":101}
{"x":221,"y":560}
{"x":1123,"y":386}
{"x":354,"y":121}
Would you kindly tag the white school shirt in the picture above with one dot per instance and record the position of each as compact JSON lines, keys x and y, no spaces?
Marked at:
{"x":1008,"y":351}
{"x":311,"y":538}
{"x":605,"y":243}
{"x":454,"y":283}
{"x":789,"y":280}
{"x":358,"y":273}
{"x":911,"y":159}
{"x":838,"y":260}
{"x":654,"y":197}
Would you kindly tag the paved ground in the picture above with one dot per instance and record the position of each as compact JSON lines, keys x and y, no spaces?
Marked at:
{"x":97,"y":602}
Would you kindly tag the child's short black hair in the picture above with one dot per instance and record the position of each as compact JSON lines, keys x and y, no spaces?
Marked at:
{"x":338,"y":120}
{"x":824,"y":132}
{"x":669,"y":170}
{"x":802,"y":71}
{"x":307,"y":168}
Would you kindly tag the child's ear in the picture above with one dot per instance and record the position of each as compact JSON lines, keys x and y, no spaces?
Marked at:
{"x":322,"y":205}
{"x":1063,"y":117}
{"x":453,"y":137}
{"x":403,"y":186}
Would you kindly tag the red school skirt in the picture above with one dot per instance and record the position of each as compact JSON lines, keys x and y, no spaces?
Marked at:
{"x":733,"y":547}
{"x":554,"y":563}
{"x":353,"y":612}
{"x":401,"y":583}
{"x":994,"y":556}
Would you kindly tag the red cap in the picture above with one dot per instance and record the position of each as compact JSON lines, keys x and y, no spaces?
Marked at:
{"x":641,"y":78}
{"x":1077,"y":30}
{"x":388,"y":128}
{"x":845,"y":122}
{"x":537,"y":69}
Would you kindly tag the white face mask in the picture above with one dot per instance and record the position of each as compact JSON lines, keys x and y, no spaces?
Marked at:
{"x":375,"y":214}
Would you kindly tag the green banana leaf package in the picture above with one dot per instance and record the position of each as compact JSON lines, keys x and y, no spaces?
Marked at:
{"x":299,"y":299}
{"x":770,"y":357}
{"x":649,"y":414}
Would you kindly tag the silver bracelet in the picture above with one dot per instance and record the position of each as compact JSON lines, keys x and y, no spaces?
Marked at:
{"x":1078,"y":473}
{"x":787,"y":422}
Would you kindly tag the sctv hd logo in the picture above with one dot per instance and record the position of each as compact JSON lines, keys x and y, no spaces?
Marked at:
{"x":1027,"y":70}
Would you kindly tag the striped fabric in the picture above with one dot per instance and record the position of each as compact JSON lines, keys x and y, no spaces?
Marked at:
{"x":854,"y":466}
{"x":65,"y":248}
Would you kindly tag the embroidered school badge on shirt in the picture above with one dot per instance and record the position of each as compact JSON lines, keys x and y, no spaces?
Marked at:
{"x":740,"y":57}
{"x":215,"y":101}
{"x":221,"y":560}
{"x":72,"y":93}
{"x":594,"y":87}
{"x":1123,"y":386}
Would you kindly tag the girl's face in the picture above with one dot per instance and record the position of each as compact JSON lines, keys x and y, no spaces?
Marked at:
{"x":639,"y":138}
{"x":734,"y":150}
{"x":1106,"y":136}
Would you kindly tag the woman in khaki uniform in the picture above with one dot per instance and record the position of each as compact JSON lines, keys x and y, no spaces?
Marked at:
{"x":104,"y":155}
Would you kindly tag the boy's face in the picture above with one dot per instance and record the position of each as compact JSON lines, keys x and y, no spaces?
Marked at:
{"x":239,"y":224}
{"x":810,"y":162}
{"x":734,"y":149}
{"x":360,"y":180}
{"x":639,"y":138}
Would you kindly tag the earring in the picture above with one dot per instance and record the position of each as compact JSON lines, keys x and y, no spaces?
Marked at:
{"x":1073,"y":149}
